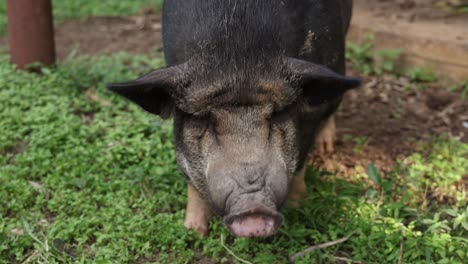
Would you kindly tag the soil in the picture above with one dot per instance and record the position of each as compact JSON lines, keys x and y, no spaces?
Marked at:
{"x":444,"y":11}
{"x":105,"y":35}
{"x":109,"y":34}
{"x":385,"y":121}
{"x":379,"y":123}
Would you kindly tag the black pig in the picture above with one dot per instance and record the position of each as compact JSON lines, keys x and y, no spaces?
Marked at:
{"x":251,"y":85}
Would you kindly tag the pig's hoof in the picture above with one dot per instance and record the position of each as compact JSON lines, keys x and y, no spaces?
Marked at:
{"x":198,"y":225}
{"x":326,"y":137}
{"x":325,"y":142}
{"x":198,"y":212}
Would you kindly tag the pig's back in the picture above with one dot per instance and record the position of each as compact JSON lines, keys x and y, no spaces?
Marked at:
{"x":305,"y":29}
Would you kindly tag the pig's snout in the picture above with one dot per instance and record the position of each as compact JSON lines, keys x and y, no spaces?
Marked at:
{"x":247,"y":192}
{"x":256,"y":222}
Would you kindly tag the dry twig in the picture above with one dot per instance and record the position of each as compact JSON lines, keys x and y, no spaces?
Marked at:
{"x":321,"y":246}
{"x":232,"y":253}
{"x":402,"y":243}
{"x":348,"y":260}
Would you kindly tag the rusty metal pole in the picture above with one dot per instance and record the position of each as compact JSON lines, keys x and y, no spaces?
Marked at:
{"x":31,"y":32}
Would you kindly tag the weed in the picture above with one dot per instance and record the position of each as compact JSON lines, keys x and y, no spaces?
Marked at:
{"x":3,"y":17}
{"x":464,"y":89}
{"x":422,"y":75}
{"x":360,"y":55}
{"x":386,"y":61}
{"x":360,"y":142}
{"x":453,"y":6}
{"x":433,"y":176}
{"x":365,"y":60}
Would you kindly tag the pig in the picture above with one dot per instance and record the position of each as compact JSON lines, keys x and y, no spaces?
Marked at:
{"x":251,"y":85}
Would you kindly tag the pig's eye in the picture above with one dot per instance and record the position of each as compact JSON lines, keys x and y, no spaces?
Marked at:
{"x":203,"y":130}
{"x":315,"y":101}
{"x":321,"y":96}
{"x":206,"y":126}
{"x":197,"y":125}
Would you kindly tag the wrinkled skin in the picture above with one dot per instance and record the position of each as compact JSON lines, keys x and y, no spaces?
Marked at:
{"x":251,"y":85}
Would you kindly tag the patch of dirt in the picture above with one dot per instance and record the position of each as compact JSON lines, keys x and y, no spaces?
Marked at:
{"x":446,"y":11}
{"x":384,"y":121}
{"x":13,"y":151}
{"x":136,"y":34}
{"x":105,"y":35}
{"x":18,"y":148}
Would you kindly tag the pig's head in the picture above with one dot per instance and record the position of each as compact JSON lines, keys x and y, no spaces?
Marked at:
{"x":241,"y":135}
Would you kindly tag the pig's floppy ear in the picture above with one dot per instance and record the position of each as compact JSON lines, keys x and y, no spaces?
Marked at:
{"x":319,"y":83}
{"x":153,"y":91}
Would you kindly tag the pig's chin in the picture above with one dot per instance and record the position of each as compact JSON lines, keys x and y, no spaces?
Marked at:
{"x":254,"y":224}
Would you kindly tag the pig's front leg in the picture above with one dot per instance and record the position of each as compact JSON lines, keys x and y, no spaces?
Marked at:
{"x":198,"y":213}
{"x":297,"y":190}
{"x":326,"y":137}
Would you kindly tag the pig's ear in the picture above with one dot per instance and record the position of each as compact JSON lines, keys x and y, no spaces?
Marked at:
{"x":153,"y":91}
{"x":319,"y":83}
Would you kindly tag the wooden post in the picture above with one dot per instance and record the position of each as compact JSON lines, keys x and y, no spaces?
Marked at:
{"x":31,"y":32}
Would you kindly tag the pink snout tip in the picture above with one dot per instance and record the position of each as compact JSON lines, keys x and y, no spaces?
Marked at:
{"x":254,"y":224}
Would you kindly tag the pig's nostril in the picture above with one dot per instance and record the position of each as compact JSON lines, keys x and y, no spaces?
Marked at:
{"x":252,"y":185}
{"x":254,"y":179}
{"x":254,"y":225}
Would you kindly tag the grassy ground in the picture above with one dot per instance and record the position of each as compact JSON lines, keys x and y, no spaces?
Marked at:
{"x":87,"y":178}
{"x":84,"y":8}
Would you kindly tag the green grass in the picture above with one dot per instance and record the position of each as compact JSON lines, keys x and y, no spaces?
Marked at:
{"x":422,"y":75}
{"x":81,"y":9}
{"x":364,"y":59}
{"x":464,"y":89}
{"x":3,"y":17}
{"x":85,"y":177}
